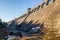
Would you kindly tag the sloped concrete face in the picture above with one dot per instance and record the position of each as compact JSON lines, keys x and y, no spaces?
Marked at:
{"x":53,"y":19}
{"x":49,"y":15}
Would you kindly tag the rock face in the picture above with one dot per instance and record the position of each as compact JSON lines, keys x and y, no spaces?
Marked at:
{"x":49,"y":15}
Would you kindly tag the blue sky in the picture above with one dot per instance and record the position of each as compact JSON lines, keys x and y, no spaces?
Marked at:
{"x":10,"y":9}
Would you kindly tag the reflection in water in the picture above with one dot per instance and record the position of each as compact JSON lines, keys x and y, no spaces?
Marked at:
{"x":23,"y":29}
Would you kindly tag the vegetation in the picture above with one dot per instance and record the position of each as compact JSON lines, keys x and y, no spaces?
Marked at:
{"x":2,"y":29}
